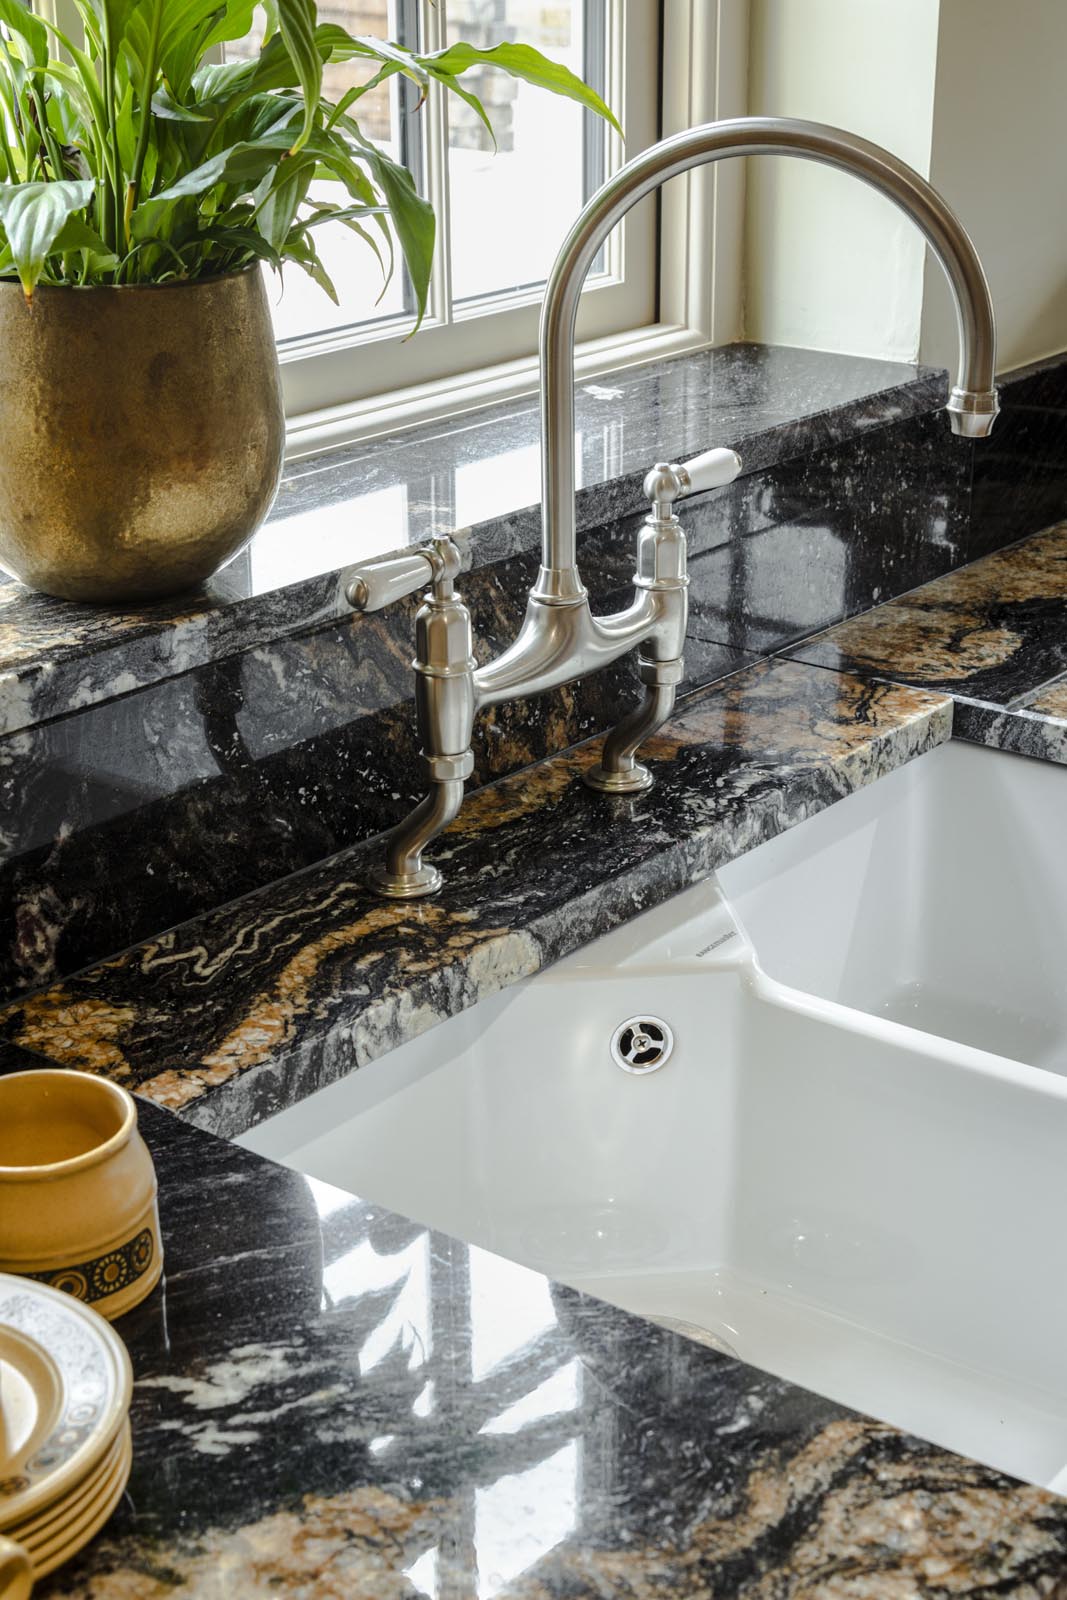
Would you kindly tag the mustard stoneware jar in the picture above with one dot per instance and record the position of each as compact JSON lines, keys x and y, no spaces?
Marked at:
{"x":77,"y":1189}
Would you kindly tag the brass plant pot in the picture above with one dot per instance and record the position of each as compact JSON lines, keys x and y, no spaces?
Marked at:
{"x":141,"y":434}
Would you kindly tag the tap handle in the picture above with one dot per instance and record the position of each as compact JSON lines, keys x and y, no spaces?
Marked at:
{"x":666,"y":481}
{"x":711,"y":470}
{"x":374,"y":584}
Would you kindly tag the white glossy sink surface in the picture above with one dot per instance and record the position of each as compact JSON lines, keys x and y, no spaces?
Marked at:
{"x":937,"y":897}
{"x":861,"y":1207}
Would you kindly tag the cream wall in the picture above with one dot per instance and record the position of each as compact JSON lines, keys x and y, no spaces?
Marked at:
{"x":829,"y":263}
{"x":971,"y":93}
{"x":998,"y":155}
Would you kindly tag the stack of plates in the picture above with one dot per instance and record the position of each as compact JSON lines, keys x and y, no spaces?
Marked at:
{"x":65,"y":1385}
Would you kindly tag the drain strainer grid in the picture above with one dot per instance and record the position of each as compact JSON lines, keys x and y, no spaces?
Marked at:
{"x":642,"y":1044}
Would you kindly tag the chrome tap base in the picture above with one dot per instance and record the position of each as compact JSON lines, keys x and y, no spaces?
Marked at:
{"x":634,"y":781}
{"x":426,"y":880}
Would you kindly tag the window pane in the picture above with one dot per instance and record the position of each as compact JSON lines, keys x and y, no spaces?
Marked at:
{"x":511,"y":209}
{"x":387,"y":116}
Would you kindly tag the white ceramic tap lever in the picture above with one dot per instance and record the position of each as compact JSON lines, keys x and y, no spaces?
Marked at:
{"x":711,"y":470}
{"x":668,"y":480}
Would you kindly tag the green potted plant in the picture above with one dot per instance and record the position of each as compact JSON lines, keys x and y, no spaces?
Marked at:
{"x":143,"y":185}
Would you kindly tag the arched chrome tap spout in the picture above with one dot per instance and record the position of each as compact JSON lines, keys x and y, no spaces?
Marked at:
{"x":560,"y":639}
{"x":972,"y":404}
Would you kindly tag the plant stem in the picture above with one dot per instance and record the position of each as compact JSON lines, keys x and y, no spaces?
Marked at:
{"x":148,"y":82}
{"x":55,"y":156}
{"x":7,"y":160}
{"x":112,"y":218}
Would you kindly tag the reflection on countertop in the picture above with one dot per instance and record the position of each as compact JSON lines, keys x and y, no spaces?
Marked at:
{"x":332,"y":1401}
{"x":474,"y":476}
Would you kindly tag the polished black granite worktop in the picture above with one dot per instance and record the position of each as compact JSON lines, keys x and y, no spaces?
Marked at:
{"x":992,"y":635}
{"x":333,"y":1403}
{"x":476,"y":478}
{"x":241,"y":1012}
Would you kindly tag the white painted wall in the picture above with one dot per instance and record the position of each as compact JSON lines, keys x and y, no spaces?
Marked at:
{"x":998,"y":155}
{"x":972,"y":94}
{"x":831,"y":265}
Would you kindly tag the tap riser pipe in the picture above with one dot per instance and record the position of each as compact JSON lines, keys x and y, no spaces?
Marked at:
{"x":973,"y":403}
{"x":618,"y":772}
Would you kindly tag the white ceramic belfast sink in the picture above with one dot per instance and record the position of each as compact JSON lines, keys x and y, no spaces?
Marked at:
{"x":936,"y":897}
{"x":864,"y":1208}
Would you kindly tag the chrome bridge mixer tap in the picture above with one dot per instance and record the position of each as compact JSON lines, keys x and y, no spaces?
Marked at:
{"x":560,"y":638}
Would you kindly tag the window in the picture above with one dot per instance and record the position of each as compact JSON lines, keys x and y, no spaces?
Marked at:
{"x":668,"y":280}
{"x":502,"y":214}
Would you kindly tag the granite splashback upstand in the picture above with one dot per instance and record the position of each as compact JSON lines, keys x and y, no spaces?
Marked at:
{"x":252,"y":1006}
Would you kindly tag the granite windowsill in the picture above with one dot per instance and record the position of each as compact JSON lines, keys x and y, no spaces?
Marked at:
{"x":476,"y":478}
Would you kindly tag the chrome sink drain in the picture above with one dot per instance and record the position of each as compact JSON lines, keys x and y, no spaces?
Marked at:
{"x":642,"y":1044}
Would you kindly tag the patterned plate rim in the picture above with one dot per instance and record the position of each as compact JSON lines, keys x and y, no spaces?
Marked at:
{"x":45,"y":1522}
{"x":98,"y":1385}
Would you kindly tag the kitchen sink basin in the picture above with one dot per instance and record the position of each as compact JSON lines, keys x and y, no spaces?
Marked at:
{"x":936,"y":897}
{"x":684,"y":1118}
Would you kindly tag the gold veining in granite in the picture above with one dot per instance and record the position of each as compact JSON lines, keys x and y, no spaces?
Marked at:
{"x":780,"y":715}
{"x":847,"y":1517}
{"x":524,"y":793}
{"x":891,"y":1530}
{"x":350,"y":1546}
{"x":999,"y":612}
{"x":276,"y":1011}
{"x":1051,"y":701}
{"x":1036,"y":569}
{"x":927,"y":645}
{"x":82,"y":1033}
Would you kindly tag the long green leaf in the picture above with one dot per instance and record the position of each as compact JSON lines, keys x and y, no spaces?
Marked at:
{"x":75,"y":234}
{"x":234,"y":21}
{"x":301,"y":250}
{"x":164,"y":105}
{"x":177,"y":45}
{"x":449,"y":81}
{"x":245,"y":164}
{"x":520,"y":61}
{"x":296,"y":24}
{"x":414,"y":221}
{"x":21,"y":21}
{"x":284,"y":191}
{"x":32,"y":215}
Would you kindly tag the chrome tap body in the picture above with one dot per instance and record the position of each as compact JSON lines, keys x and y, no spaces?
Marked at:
{"x":560,"y":639}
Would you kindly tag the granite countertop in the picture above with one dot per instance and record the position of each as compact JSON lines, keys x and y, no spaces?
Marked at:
{"x":333,"y":1403}
{"x":250,"y":1007}
{"x":476,"y":478}
{"x":992,"y":635}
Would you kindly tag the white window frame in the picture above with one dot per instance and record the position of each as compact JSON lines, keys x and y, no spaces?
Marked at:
{"x":672,"y":282}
